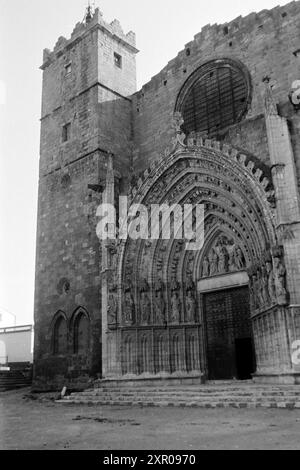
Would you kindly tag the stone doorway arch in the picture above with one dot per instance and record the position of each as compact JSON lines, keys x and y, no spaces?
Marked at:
{"x":161,"y":278}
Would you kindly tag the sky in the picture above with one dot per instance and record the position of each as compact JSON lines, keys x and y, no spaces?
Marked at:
{"x":163,"y":27}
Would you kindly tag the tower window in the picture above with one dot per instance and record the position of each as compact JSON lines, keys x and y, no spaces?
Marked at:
{"x":66,"y":132}
{"x":60,"y":336}
{"x":214,"y":97}
{"x":81,"y":334}
{"x":68,"y":68}
{"x":118,"y":60}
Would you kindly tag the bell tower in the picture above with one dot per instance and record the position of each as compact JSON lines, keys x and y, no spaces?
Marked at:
{"x":88,"y":81}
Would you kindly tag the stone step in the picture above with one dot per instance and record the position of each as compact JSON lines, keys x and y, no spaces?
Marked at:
{"x":113,"y":396}
{"x":204,"y":396}
{"x":236,"y":394}
{"x":182,"y":398}
{"x":199,"y":404}
{"x":208,"y":390}
{"x":13,"y":379}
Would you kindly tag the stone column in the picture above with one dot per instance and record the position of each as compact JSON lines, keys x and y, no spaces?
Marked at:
{"x":108,"y":198}
{"x":287,"y":220}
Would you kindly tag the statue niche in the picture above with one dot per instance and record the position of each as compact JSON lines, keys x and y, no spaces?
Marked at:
{"x":224,"y":257}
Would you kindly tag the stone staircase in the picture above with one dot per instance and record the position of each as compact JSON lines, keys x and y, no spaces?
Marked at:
{"x":235,"y":395}
{"x":13,"y":379}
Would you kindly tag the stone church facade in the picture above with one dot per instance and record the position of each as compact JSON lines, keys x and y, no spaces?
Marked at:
{"x":218,"y":126}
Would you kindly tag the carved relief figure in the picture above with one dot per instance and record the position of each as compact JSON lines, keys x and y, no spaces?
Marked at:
{"x":224,"y":257}
{"x":159,"y":302}
{"x":258,"y":288}
{"x":255,"y":288}
{"x":252,"y":293}
{"x":190,"y":307}
{"x":145,"y":303}
{"x":213,"y":262}
{"x":175,"y":303}
{"x":239,"y":259}
{"x":231,"y":262}
{"x":264,"y":285}
{"x":190,"y":285}
{"x":205,"y":267}
{"x":222,"y":261}
{"x":271,"y":281}
{"x":128,"y":304}
{"x":279,"y":278}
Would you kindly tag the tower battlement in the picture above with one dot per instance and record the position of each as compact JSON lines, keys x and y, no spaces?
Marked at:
{"x":113,"y":29}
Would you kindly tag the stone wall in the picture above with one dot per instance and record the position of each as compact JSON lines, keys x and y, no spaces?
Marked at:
{"x":264,"y":42}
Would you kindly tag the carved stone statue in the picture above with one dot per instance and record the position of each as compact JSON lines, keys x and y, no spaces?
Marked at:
{"x":258,"y":288}
{"x":222,"y":261}
{"x":239,"y":259}
{"x":159,"y":302}
{"x":128,"y":304}
{"x":190,"y":285}
{"x":190,"y":307}
{"x":205,"y":267}
{"x":231,"y":262}
{"x":213,"y":262}
{"x":252,"y":294}
{"x":145,"y":303}
{"x":271,"y":281}
{"x":279,"y":278}
{"x":255,"y":290}
{"x":175,"y":307}
{"x":264,"y":285}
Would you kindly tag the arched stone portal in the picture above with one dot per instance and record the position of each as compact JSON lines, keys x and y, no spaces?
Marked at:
{"x":170,"y":289}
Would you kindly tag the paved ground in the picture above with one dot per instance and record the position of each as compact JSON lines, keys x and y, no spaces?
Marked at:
{"x":43,"y":424}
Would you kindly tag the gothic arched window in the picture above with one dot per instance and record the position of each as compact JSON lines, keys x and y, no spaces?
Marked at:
{"x":214,"y":97}
{"x":60,"y":336}
{"x":81,"y":333}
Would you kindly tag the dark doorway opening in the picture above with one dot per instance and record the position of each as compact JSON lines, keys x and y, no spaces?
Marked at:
{"x":230,"y":353}
{"x":244,"y":358}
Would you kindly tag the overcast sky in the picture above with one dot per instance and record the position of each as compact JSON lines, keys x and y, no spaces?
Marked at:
{"x":162,"y":27}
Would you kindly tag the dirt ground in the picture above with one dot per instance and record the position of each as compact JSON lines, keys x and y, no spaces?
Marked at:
{"x":39,"y":423}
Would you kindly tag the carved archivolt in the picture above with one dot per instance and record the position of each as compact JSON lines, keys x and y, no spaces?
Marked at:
{"x":157,"y":278}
